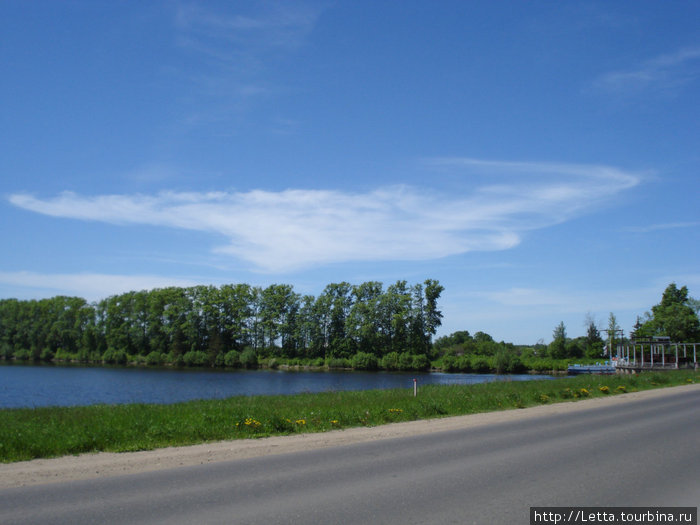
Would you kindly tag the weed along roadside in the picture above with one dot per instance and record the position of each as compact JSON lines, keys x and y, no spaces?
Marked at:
{"x":58,"y":431}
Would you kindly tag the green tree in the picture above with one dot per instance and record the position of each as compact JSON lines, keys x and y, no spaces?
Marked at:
{"x":593,"y":342}
{"x":694,"y":304}
{"x":674,"y":316}
{"x":557,"y":348}
{"x":433,"y":316}
{"x":363,"y":323}
{"x":335,"y":303}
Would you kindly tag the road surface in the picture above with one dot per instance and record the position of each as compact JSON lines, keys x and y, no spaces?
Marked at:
{"x":641,"y":453}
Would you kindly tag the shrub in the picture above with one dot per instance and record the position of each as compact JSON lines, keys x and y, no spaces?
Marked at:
{"x":114,"y":357}
{"x":464,"y":364}
{"x":480,"y":365}
{"x":516,"y":366}
{"x":390,"y":361}
{"x":154,"y":358}
{"x":195,"y":358}
{"x":23,"y":355}
{"x":249,"y":358}
{"x":136,"y":359}
{"x":232,"y":359}
{"x":448,"y":363}
{"x":174,"y":359}
{"x":502,"y":361}
{"x":420,"y":362}
{"x":364,"y":361}
{"x":405,"y":361}
{"x":339,"y":362}
{"x":63,"y":355}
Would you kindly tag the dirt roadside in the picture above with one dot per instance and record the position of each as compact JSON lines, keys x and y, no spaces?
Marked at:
{"x":104,"y":464}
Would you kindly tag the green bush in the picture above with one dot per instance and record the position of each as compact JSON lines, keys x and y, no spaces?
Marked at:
{"x":405,"y":361}
{"x":481,"y":365}
{"x":448,"y":363}
{"x":339,"y":362}
{"x":232,"y":359}
{"x":516,"y":366}
{"x":249,"y":358}
{"x":136,"y":359}
{"x":154,"y":358}
{"x":421,"y":362}
{"x":364,"y":361}
{"x":114,"y":357}
{"x":195,"y":358}
{"x":174,"y":359}
{"x":390,"y":361}
{"x":63,"y":355}
{"x":506,"y":362}
{"x":464,"y":364}
{"x":23,"y":355}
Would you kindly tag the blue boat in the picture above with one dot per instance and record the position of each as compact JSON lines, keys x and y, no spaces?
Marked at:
{"x":605,"y":368}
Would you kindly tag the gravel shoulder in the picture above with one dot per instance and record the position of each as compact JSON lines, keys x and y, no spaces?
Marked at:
{"x":105,"y":464}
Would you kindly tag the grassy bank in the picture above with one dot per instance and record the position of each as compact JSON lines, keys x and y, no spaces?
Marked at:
{"x":49,"y":432}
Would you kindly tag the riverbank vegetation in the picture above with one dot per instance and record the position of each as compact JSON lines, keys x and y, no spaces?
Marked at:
{"x":56,"y":431}
{"x":361,"y":327}
{"x":230,"y":325}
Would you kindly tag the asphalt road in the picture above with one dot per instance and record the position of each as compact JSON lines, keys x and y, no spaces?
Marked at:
{"x":642,"y":453}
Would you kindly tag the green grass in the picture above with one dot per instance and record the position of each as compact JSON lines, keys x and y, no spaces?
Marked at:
{"x":56,"y":431}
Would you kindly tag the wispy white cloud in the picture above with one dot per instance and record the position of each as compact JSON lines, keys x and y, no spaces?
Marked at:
{"x":660,"y":227}
{"x":271,"y":25}
{"x":234,"y":49}
{"x":296,"y":229}
{"x":532,"y":312}
{"x":664,"y":73}
{"x":573,"y":301}
{"x":526,"y":315}
{"x":91,"y":286}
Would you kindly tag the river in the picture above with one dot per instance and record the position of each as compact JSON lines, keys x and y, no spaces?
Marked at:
{"x":37,"y":386}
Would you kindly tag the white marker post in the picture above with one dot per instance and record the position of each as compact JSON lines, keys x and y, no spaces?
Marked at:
{"x":415,"y":387}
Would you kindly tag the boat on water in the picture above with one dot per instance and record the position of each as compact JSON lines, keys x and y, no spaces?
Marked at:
{"x":598,"y":368}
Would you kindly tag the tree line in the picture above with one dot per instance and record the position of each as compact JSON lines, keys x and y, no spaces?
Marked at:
{"x":361,"y":325}
{"x":676,"y":317}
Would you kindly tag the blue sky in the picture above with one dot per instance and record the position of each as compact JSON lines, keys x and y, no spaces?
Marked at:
{"x":540,"y":159}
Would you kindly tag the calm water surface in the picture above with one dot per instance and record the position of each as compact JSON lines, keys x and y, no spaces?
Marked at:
{"x":35,"y":386}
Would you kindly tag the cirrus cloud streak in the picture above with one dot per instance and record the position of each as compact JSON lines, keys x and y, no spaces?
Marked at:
{"x":280,"y":231}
